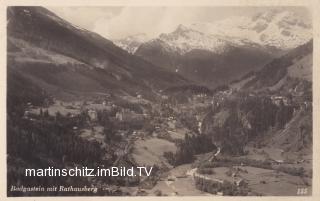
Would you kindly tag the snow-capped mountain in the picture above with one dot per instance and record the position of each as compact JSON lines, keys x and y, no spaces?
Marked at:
{"x":182,"y":40}
{"x":202,"y":58}
{"x":131,"y":43}
{"x":219,"y":52}
{"x":280,"y":29}
{"x":185,"y":39}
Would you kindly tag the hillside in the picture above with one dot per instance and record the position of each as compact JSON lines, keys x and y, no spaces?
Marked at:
{"x":68,"y":61}
{"x":284,"y":72}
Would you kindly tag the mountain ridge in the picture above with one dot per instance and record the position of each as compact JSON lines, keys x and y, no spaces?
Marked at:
{"x":40,"y":36}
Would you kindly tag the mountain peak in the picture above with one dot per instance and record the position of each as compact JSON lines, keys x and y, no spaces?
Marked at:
{"x":131,"y":43}
{"x":185,"y":30}
{"x":182,"y":28}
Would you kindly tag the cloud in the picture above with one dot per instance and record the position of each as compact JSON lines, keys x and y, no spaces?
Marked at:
{"x":118,"y":22}
{"x":149,"y":20}
{"x":84,"y":17}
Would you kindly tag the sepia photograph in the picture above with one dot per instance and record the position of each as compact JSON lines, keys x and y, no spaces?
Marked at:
{"x":159,"y":101}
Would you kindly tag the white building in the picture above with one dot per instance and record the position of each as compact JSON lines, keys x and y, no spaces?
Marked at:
{"x":92,"y":115}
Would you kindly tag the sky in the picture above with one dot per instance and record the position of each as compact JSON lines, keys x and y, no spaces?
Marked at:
{"x":120,"y":22}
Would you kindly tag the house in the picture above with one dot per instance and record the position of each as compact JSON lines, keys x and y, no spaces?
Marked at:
{"x":279,"y":162}
{"x":199,"y":127}
{"x":26,"y":114}
{"x":202,"y":95}
{"x":127,"y":115}
{"x":92,"y":115}
{"x":164,"y":97}
{"x":307,"y":105}
{"x":277,"y":100}
{"x":123,"y":114}
{"x":104,"y":103}
{"x":119,"y":116}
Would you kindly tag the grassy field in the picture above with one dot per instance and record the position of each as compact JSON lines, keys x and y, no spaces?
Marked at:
{"x":62,"y":107}
{"x":150,"y":151}
{"x":177,"y":134}
{"x":264,"y":153}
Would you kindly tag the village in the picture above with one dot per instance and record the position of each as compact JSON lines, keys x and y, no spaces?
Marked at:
{"x":146,"y":131}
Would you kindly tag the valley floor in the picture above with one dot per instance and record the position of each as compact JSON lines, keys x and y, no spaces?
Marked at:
{"x":244,"y":173}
